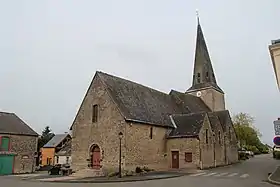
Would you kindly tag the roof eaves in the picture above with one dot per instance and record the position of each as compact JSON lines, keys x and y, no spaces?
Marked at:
{"x":183,"y":136}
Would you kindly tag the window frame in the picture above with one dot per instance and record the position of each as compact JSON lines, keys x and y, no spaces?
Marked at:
{"x":151,"y":132}
{"x":9,"y":144}
{"x":94,"y":118}
{"x":206,"y":136}
{"x":188,"y":157}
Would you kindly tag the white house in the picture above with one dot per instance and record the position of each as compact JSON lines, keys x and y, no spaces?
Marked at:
{"x":64,"y":155}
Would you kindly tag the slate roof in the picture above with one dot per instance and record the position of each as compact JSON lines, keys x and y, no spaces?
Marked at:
{"x":203,"y":65}
{"x":66,"y":149}
{"x":56,"y":140}
{"x":214,"y":120}
{"x":224,"y":118}
{"x":146,"y":105}
{"x":187,"y":124}
{"x":10,"y":123}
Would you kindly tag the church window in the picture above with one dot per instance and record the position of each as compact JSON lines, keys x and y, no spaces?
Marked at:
{"x":94,"y":113}
{"x":198,"y":77}
{"x":219,"y":137}
{"x":188,"y":157}
{"x":207,"y":74}
{"x":229,"y":134}
{"x":151,"y":132}
{"x":206,"y":136}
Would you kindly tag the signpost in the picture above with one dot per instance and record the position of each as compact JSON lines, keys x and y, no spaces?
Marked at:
{"x":277,"y":127}
{"x":276,"y":140}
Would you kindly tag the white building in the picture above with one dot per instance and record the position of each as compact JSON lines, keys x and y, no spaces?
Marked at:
{"x":64,"y":155}
{"x":274,"y":50}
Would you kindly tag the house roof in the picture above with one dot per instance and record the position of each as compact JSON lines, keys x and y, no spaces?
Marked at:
{"x":57,"y":139}
{"x":224,"y":118}
{"x":66,"y":149}
{"x":146,"y":105}
{"x":214,"y":120}
{"x":10,"y":123}
{"x":187,"y":124}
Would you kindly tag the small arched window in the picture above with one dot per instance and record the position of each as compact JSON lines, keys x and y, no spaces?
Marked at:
{"x":198,"y":77}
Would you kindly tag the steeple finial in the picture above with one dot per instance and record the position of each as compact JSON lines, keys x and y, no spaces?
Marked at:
{"x":197,"y":16}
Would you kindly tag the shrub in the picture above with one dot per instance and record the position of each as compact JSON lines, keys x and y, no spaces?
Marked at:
{"x":277,"y":154}
{"x":147,"y":169}
{"x":138,"y":170}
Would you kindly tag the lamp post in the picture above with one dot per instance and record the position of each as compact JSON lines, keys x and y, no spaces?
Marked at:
{"x":120,"y":159}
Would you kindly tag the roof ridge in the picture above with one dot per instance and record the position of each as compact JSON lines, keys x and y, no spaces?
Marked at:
{"x":139,"y":84}
{"x":190,"y":114}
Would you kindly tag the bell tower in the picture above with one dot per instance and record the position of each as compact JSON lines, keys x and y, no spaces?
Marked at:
{"x":204,"y":84}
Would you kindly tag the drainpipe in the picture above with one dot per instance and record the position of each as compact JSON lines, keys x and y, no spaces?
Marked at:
{"x":200,"y":156}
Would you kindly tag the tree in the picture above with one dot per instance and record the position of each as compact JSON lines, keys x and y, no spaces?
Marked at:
{"x":247,"y":134}
{"x":45,"y":137}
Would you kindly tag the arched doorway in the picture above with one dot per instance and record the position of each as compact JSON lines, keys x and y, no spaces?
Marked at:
{"x":95,"y":158}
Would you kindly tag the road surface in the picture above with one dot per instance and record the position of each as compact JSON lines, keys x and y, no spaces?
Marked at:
{"x":250,"y":173}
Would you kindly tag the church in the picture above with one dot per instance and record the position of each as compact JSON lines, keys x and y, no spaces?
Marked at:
{"x":150,"y":128}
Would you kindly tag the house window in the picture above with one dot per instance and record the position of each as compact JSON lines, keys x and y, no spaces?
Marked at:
{"x":67,"y":160}
{"x":206,"y":136}
{"x":4,"y":143}
{"x":151,"y":132}
{"x":198,"y":77}
{"x":188,"y":157}
{"x":94,"y":113}
{"x":219,"y":137}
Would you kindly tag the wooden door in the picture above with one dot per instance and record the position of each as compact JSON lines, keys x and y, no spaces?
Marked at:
{"x":175,"y":159}
{"x":96,"y":158}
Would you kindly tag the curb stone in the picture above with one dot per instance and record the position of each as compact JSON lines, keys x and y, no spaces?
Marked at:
{"x":273,"y":181}
{"x":109,"y":181}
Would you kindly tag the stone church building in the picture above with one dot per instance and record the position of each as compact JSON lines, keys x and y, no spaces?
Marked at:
{"x":160,"y":131}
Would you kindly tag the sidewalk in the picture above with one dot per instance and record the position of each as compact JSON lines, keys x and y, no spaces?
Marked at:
{"x":274,"y":178}
{"x":71,"y":179}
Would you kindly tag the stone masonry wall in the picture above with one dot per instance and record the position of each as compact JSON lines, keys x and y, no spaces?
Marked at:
{"x":231,"y":145}
{"x":141,"y":150}
{"x":212,"y":98}
{"x":207,"y":149}
{"x":25,"y":147}
{"x":103,"y":133}
{"x":184,"y":145}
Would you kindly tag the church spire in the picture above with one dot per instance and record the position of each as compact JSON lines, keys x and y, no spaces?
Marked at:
{"x":203,"y":73}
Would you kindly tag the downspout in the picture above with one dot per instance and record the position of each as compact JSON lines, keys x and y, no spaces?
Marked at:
{"x":200,"y":156}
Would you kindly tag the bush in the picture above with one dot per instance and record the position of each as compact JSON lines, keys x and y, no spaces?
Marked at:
{"x":138,"y":170}
{"x":147,"y":169}
{"x":277,"y":155}
{"x":242,"y":156}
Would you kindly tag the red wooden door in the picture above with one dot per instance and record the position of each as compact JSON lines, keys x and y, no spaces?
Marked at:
{"x":96,"y":158}
{"x":175,"y":159}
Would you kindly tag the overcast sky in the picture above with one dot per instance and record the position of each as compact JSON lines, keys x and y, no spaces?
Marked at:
{"x":50,"y":50}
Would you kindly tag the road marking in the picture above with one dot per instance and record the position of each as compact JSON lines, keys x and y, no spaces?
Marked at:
{"x":233,"y":174}
{"x":221,"y":174}
{"x":197,"y":174}
{"x":244,"y":175}
{"x":210,"y":174}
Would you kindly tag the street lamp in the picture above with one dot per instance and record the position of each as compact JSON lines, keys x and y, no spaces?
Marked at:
{"x":120,"y":160}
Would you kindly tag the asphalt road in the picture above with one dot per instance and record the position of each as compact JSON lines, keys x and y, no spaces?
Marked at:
{"x":251,"y":173}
